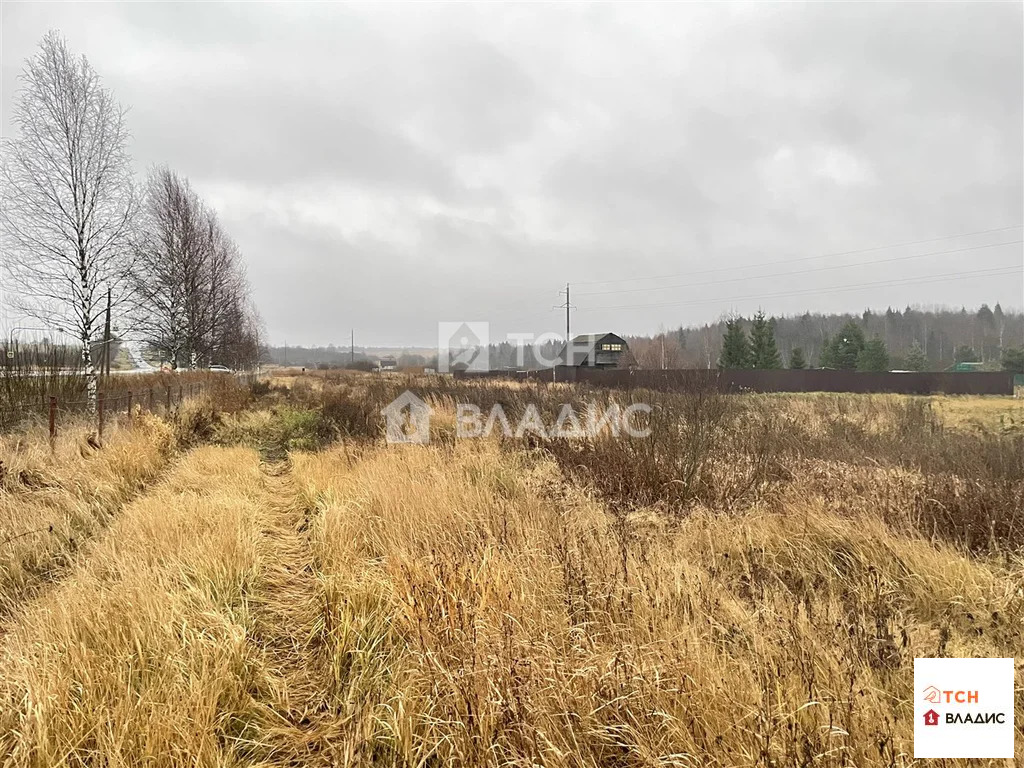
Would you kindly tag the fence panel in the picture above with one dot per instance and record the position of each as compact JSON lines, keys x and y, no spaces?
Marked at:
{"x":786,"y":380}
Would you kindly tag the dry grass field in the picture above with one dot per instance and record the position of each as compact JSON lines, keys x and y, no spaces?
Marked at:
{"x":277,"y":586}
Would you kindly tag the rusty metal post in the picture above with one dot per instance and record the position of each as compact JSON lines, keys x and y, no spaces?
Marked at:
{"x":129,"y":407}
{"x":167,"y":396}
{"x":99,"y":413}
{"x":53,"y":421}
{"x":150,"y":399}
{"x":179,"y":394}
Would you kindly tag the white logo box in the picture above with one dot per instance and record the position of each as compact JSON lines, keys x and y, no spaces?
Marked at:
{"x":973,"y":701}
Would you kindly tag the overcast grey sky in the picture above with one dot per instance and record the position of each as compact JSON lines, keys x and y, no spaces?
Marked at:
{"x":388,"y":166}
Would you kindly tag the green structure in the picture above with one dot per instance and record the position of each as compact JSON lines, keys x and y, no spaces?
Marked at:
{"x":967,"y":367}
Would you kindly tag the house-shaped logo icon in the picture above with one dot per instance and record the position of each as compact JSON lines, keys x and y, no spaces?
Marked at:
{"x":932,"y":695}
{"x":462,"y":346}
{"x":931,"y":717}
{"x":407,"y":419}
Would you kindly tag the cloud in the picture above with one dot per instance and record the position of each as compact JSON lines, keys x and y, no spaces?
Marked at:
{"x":388,"y":166}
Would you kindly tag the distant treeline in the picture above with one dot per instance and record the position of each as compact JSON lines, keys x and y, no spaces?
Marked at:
{"x":333,"y":356}
{"x":910,"y":339}
{"x":931,"y":339}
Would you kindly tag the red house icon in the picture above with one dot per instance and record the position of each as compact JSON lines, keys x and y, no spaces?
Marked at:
{"x":931,"y":717}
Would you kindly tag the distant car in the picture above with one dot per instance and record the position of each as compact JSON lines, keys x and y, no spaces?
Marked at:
{"x":220,"y":369}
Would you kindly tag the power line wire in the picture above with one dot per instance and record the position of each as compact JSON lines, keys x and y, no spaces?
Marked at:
{"x":804,"y":271}
{"x":990,"y":271}
{"x":801,"y":258}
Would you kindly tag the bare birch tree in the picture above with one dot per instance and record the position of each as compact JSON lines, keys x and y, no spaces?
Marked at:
{"x":193,"y":302}
{"x":68,"y":197}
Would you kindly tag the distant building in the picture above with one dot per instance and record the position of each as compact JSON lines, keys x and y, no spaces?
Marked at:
{"x":387,"y":364}
{"x":600,"y":350}
{"x":968,"y":367}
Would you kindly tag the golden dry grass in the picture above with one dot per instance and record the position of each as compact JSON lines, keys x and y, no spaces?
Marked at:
{"x":990,"y":413}
{"x":467,"y":604}
{"x":142,"y":657}
{"x":52,"y":503}
{"x":484,"y":614}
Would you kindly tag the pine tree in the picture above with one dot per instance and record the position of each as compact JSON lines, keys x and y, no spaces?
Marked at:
{"x":841,"y":351}
{"x":1013,"y":360}
{"x":796,"y":359}
{"x":916,"y":361}
{"x":764,"y":353}
{"x":874,"y":356}
{"x":735,"y":346}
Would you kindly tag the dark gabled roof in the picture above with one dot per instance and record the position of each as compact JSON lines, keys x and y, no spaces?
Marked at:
{"x":590,"y":339}
{"x":584,"y":344}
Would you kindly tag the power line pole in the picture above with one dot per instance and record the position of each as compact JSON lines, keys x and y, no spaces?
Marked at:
{"x":568,"y":336}
{"x":352,"y":351}
{"x":567,"y":306}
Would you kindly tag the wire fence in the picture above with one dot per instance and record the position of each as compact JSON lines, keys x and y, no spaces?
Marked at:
{"x":112,"y":406}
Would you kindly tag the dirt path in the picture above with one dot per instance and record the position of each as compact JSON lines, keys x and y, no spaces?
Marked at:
{"x":288,"y":630}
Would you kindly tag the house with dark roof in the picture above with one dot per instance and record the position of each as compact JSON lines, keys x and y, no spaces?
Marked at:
{"x":598,"y":350}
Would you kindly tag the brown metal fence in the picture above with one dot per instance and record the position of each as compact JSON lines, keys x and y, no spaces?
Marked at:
{"x":959,"y":383}
{"x":923,"y":383}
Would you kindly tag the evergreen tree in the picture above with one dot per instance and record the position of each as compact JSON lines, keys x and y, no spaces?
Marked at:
{"x":986,"y":317}
{"x":1013,"y":360}
{"x":841,"y":351}
{"x":764,"y":353}
{"x":916,"y":361}
{"x":796,"y":359}
{"x":735,"y":346}
{"x":874,"y":356}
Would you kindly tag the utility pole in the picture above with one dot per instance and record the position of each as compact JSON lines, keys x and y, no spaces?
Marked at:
{"x":352,"y":351}
{"x":568,"y":336}
{"x":567,"y":306}
{"x":105,"y":366}
{"x":663,"y":351}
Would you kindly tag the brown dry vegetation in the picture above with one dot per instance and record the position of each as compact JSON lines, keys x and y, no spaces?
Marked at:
{"x":749,"y":586}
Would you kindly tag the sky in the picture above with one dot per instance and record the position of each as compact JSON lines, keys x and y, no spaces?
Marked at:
{"x":387,"y":167}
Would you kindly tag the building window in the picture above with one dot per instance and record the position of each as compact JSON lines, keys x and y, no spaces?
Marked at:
{"x":611,"y":347}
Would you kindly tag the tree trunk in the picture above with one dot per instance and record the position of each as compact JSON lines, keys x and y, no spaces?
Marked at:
{"x":91,"y":385}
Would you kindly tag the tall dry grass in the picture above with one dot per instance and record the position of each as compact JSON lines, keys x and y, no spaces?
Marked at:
{"x":725,"y":452}
{"x":51,"y":503}
{"x":496,"y":602}
{"x":478,"y":612}
{"x":55,"y":499}
{"x":142,"y":657}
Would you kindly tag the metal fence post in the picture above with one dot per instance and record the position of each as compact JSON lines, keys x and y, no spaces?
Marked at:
{"x":150,"y":399}
{"x":129,"y":407}
{"x":99,"y":414}
{"x":167,"y":397}
{"x":53,"y":421}
{"x":179,"y":394}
